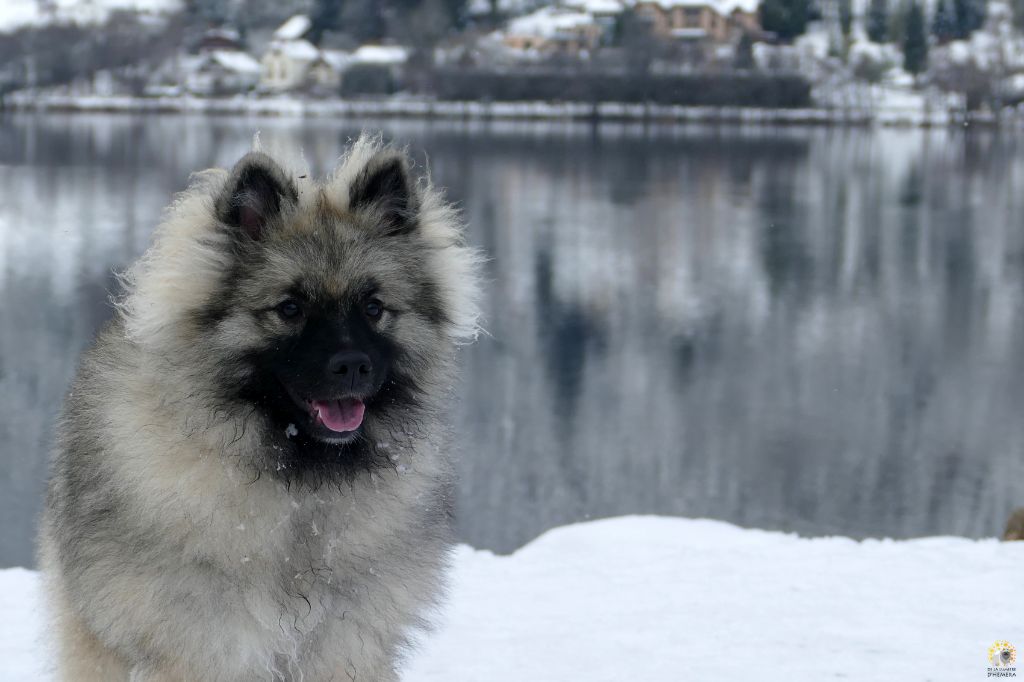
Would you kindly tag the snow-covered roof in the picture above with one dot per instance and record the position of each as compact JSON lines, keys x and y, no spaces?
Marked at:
{"x":337,"y":59}
{"x":235,"y":60}
{"x":689,"y":33}
{"x":483,"y":7}
{"x":381,"y":54}
{"x":723,"y":7}
{"x":229,"y":34}
{"x":596,"y":6}
{"x":294,"y":28}
{"x":299,"y":50}
{"x":730,"y":6}
{"x":547,"y":22}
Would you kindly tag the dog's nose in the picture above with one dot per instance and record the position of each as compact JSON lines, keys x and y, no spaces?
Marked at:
{"x":351,"y":364}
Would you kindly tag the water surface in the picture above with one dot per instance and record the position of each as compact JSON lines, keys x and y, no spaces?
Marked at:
{"x":813,"y":330}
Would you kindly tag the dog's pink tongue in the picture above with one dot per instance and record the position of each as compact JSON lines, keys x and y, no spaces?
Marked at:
{"x":340,"y":415}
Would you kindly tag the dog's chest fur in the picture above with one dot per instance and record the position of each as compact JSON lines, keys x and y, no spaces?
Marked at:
{"x":290,"y":582}
{"x":300,"y":572}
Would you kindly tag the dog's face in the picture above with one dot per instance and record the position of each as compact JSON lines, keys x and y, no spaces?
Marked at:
{"x":328,"y":324}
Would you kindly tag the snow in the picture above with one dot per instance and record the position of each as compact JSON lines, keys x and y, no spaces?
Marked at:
{"x":234,"y":60}
{"x":15,"y":14}
{"x":381,"y":54}
{"x":650,"y":598}
{"x":548,"y":22}
{"x":814,"y":43}
{"x":723,"y":7}
{"x":336,"y":59}
{"x":689,"y":33}
{"x":959,"y":51}
{"x":223,"y":33}
{"x":597,"y":7}
{"x":21,"y":626}
{"x":478,"y":8}
{"x":299,"y":50}
{"x":729,"y":6}
{"x":862,"y":49}
{"x":294,"y":28}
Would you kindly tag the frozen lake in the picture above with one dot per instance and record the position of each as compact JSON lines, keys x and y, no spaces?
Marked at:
{"x":810,"y":330}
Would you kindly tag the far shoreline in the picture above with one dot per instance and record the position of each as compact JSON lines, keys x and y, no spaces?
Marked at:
{"x":476,"y":111}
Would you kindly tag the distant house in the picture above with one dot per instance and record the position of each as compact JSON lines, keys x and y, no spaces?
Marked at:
{"x":554,"y":29}
{"x":219,"y":72}
{"x":374,"y":70}
{"x":289,"y":57}
{"x":718,"y":21}
{"x":221,"y":38}
{"x":324,"y":74}
{"x":285,"y":65}
{"x":293,"y":63}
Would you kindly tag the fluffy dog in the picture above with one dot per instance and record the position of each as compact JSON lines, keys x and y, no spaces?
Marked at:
{"x":251,"y":480}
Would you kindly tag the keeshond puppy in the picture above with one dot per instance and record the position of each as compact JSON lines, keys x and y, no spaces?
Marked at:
{"x":252,"y":481}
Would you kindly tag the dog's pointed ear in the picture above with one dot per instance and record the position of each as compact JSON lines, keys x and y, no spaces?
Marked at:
{"x":385,"y":190}
{"x":254,"y":195}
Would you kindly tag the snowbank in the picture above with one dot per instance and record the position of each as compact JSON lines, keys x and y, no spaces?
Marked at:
{"x":648,"y":598}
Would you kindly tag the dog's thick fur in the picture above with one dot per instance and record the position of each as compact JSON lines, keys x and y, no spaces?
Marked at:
{"x":190,"y":533}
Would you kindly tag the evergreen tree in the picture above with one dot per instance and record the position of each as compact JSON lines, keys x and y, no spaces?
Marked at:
{"x":898,"y":22}
{"x":262,"y":14}
{"x":785,"y":18}
{"x":364,"y":20}
{"x":845,"y":17}
{"x":209,"y":12}
{"x":944,"y":22}
{"x":326,"y":16}
{"x":969,"y":15}
{"x":878,"y":20}
{"x":743,"y":59}
{"x":1018,"y":13}
{"x":915,"y":40}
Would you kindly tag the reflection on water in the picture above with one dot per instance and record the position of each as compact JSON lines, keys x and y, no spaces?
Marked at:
{"x":812,"y":330}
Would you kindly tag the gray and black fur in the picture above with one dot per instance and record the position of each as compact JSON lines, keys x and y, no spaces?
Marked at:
{"x":200,"y":523}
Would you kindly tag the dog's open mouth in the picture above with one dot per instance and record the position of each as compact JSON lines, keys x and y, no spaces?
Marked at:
{"x":331,"y":419}
{"x":340,"y":415}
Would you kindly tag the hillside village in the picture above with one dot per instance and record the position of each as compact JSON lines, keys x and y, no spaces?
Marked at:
{"x":942,"y":55}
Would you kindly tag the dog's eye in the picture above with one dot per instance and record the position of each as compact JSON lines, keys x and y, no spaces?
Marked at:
{"x":289,"y":309}
{"x":373,"y":309}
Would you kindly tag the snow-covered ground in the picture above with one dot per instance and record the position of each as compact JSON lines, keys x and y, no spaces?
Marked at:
{"x":650,"y":598}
